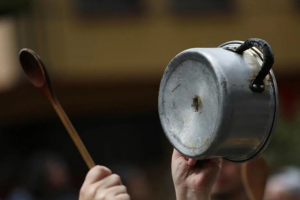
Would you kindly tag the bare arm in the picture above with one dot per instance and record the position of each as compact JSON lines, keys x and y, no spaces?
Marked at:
{"x":193,"y":180}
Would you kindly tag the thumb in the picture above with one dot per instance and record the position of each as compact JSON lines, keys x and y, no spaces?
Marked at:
{"x":191,"y":162}
{"x":176,"y":155}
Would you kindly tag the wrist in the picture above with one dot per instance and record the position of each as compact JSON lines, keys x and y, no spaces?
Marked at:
{"x":192,"y":194}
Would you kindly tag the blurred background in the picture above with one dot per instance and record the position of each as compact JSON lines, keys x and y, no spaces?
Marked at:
{"x":106,"y":59}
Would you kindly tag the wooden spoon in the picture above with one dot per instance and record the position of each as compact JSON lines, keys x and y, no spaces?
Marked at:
{"x":254,"y":177}
{"x":38,"y":76}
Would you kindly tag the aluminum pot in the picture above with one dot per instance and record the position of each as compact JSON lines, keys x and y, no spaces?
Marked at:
{"x":220,"y":102}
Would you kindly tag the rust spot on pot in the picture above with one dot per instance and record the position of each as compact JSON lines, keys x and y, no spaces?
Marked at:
{"x":206,"y":141}
{"x":224,"y":85}
{"x":197,"y":104}
{"x":268,"y":82}
{"x":174,"y":106}
{"x":241,"y":142}
{"x":176,"y":88}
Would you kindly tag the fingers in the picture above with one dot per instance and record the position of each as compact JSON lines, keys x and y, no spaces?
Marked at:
{"x":101,"y":184}
{"x":190,"y":175}
{"x":191,"y":162}
{"x":178,"y":156}
{"x":109,"y":181}
{"x":95,"y":174}
{"x":211,"y":169}
{"x":217,"y":162}
{"x":116,"y":192}
{"x":122,"y":197}
{"x":179,"y":162}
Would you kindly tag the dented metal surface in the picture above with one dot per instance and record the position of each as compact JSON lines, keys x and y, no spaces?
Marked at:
{"x":207,"y":109}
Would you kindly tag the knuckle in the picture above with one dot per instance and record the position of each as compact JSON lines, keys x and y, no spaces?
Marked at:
{"x":96,"y":173}
{"x":107,"y":196}
{"x":116,"y":178}
{"x":90,"y":192}
{"x":123,"y":188}
{"x":102,"y":170}
{"x":101,"y":196}
{"x":110,"y":196}
{"x":126,"y":197}
{"x":87,"y":193}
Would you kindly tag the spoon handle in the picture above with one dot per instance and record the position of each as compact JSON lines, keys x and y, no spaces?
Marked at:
{"x":72,"y":132}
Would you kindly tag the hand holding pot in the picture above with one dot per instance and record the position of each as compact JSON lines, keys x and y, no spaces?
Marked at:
{"x":194,"y":179}
{"x":101,"y":184}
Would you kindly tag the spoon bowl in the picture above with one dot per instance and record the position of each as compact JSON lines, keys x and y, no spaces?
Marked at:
{"x":33,"y":67}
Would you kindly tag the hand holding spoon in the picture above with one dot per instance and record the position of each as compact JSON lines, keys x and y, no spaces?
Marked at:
{"x":38,"y":76}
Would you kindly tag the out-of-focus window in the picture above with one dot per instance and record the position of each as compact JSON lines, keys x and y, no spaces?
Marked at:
{"x":9,"y":73}
{"x":108,"y":6}
{"x":9,"y":11}
{"x":201,"y":6}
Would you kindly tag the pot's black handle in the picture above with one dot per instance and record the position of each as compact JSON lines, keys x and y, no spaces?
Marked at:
{"x":257,"y":85}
